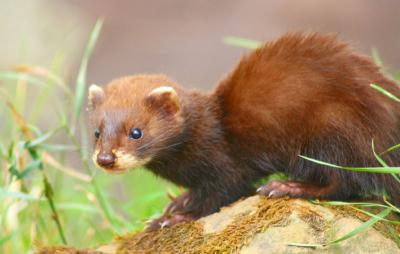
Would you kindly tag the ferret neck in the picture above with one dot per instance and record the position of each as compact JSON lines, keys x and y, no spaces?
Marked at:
{"x":202,"y":117}
{"x":201,"y":132}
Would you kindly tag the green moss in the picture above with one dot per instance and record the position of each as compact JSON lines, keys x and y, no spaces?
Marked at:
{"x":65,"y":250}
{"x":189,"y":237}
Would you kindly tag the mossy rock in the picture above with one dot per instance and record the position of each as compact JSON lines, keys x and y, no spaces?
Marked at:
{"x":259,"y":225}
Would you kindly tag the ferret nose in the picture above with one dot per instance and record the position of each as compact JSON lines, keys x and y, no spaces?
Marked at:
{"x":106,"y":160}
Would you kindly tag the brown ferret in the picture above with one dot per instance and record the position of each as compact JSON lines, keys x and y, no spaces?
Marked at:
{"x":303,"y":94}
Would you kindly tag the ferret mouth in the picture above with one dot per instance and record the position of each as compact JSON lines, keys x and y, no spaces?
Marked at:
{"x":114,"y":170}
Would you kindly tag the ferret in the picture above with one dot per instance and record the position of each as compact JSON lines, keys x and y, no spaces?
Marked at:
{"x":302,"y":94}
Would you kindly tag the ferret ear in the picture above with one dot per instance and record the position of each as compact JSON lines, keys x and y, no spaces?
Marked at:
{"x":96,"y":96}
{"x":163,"y":98}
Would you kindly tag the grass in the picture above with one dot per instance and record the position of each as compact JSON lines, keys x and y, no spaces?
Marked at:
{"x":241,"y":42}
{"x":48,"y":182}
{"x":50,"y":193}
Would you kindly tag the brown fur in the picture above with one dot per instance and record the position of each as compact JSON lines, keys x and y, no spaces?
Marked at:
{"x":303,"y":94}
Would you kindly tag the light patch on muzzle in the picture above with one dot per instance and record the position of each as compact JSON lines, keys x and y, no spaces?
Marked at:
{"x":123,"y":162}
{"x":94,"y":158}
{"x":127,"y":161}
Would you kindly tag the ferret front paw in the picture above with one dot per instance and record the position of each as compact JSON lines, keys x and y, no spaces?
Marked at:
{"x":178,"y":204}
{"x":174,"y":213}
{"x":168,"y":221}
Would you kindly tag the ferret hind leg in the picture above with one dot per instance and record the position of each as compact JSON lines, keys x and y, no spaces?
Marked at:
{"x":296,"y":189}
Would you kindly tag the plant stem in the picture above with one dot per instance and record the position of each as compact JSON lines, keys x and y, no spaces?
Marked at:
{"x":48,"y":192}
{"x":99,"y":195}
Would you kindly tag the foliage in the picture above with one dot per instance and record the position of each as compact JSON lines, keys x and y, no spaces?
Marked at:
{"x":50,"y":193}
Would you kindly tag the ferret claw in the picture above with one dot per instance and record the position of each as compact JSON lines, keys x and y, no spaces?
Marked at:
{"x":164,"y":224}
{"x":185,"y":202}
{"x":271,"y":194}
{"x":173,"y":208}
{"x":259,"y":189}
{"x":171,"y":196}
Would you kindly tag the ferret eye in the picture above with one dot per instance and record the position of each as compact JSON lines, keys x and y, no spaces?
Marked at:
{"x":135,"y":133}
{"x":97,"y":133}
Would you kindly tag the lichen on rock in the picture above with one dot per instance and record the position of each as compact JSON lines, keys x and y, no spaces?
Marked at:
{"x":262,"y":225}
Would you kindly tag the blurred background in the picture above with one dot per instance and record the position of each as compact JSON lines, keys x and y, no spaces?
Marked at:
{"x":182,"y":38}
{"x":44,"y":73}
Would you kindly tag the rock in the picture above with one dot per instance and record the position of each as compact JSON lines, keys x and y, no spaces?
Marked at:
{"x":261,"y":225}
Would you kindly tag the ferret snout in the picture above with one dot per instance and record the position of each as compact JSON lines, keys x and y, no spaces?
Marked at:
{"x":106,"y":160}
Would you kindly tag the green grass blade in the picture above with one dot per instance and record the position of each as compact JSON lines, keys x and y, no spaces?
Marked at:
{"x":81,"y":79}
{"x":341,"y":203}
{"x":309,"y":245}
{"x":396,"y":209}
{"x":76,"y":206}
{"x":376,"y":216}
{"x":6,"y":238}
{"x":242,"y":42}
{"x":354,"y":232}
{"x":18,"y":195}
{"x":36,"y":142}
{"x":10,"y":75}
{"x":387,"y":170}
{"x":382,"y":162}
{"x":376,"y":57}
{"x":49,"y":193}
{"x":390,"y":149}
{"x":378,"y":61}
{"x":378,"y":158}
{"x":104,"y":204}
{"x":396,"y":76}
{"x":36,"y":164}
{"x":58,"y":147}
{"x":396,"y":177}
{"x":363,"y":226}
{"x":385,"y":92}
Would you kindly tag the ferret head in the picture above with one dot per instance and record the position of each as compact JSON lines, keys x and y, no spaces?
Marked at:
{"x":133,"y":120}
